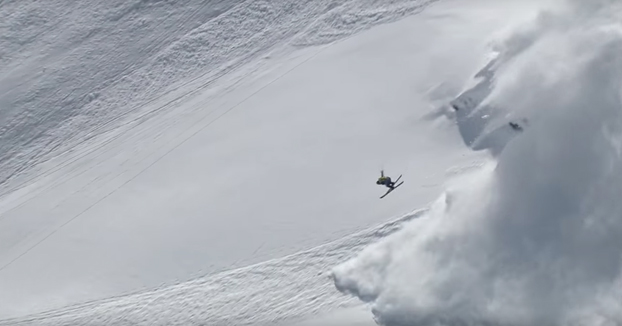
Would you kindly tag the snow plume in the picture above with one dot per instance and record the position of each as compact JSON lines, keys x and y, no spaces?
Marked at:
{"x":536,"y":237}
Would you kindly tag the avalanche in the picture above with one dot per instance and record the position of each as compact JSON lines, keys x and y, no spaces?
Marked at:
{"x":535,"y":237}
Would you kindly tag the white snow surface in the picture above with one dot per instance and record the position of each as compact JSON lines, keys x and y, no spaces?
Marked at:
{"x":269,"y":293}
{"x":73,"y":69}
{"x":209,"y":163}
{"x":149,"y":144}
{"x":534,"y":238}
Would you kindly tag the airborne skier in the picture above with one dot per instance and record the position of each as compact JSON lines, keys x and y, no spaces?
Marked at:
{"x":386,"y":181}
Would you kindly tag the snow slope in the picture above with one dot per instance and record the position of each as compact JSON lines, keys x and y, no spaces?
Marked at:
{"x":271,"y":292}
{"x":148,"y":144}
{"x":72,"y":70}
{"x":186,"y":187}
{"x":535,"y":238}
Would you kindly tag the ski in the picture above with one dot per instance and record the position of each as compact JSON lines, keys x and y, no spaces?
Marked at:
{"x":398,"y":179}
{"x":394,"y":187}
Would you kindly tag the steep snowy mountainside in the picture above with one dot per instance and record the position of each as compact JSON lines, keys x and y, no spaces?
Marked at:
{"x":189,"y":193}
{"x":172,"y":175}
{"x":73,"y":69}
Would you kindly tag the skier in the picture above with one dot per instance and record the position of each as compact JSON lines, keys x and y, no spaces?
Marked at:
{"x":515,"y":126}
{"x":383,"y":180}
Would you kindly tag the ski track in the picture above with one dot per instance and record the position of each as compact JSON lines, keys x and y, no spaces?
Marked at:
{"x":298,"y":285}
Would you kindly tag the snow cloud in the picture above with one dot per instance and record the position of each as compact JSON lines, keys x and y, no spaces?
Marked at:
{"x":535,"y":238}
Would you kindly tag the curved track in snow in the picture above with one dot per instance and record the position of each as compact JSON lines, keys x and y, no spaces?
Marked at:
{"x":263,"y":294}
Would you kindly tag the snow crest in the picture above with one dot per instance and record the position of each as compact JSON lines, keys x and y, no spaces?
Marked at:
{"x":535,"y":238}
